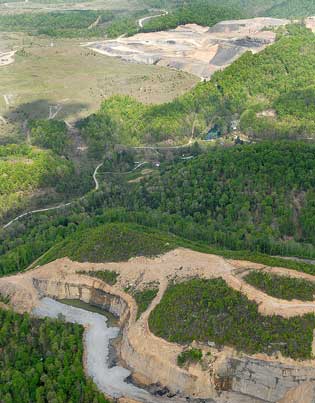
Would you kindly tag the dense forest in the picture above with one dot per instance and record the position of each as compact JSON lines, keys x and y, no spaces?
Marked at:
{"x":42,"y":361}
{"x":50,"y":134}
{"x":271,"y":93}
{"x":227,"y":198}
{"x":59,"y":24}
{"x":252,"y":8}
{"x":197,"y":12}
{"x":61,"y":233}
{"x":257,"y":197}
{"x":208,"y":310}
{"x":74,"y":23}
{"x":291,"y":9}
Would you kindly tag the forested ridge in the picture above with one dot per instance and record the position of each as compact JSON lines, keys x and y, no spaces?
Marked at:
{"x":113,"y":242}
{"x":280,"y":80}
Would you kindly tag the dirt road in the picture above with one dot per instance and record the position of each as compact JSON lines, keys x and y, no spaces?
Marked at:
{"x":142,"y":20}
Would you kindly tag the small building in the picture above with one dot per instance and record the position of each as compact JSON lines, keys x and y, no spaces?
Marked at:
{"x":214,"y":133}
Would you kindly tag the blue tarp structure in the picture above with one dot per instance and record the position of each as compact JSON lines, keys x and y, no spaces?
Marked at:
{"x":213,"y":133}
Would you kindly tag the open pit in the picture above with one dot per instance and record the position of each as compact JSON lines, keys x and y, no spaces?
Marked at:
{"x":192,"y":48}
{"x":231,"y":376}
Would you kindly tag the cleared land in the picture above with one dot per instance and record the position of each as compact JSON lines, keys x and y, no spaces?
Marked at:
{"x":50,"y":5}
{"x":194,"y":49}
{"x":60,"y":76}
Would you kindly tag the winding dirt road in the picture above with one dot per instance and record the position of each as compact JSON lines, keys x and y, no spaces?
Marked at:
{"x":60,"y":206}
{"x":142,"y":20}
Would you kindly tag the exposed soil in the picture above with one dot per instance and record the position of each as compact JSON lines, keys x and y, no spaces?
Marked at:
{"x":192,"y":48}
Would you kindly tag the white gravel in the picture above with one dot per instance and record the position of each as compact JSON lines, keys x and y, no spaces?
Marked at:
{"x":96,"y":342}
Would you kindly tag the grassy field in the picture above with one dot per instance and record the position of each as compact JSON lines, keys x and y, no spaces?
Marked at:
{"x":75,"y":79}
{"x":52,"y":5}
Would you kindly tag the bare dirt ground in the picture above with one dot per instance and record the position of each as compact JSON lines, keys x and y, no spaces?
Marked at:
{"x":194,"y":49}
{"x":6,"y":58}
{"x":310,"y":23}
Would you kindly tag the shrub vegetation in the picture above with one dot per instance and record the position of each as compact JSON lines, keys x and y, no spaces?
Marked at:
{"x":208,"y":310}
{"x":109,"y":277}
{"x":109,"y":243}
{"x":143,"y":298}
{"x":189,"y":356}
{"x":281,"y":286}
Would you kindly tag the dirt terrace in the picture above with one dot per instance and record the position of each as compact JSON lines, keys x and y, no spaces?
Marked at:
{"x":178,"y":264}
{"x":192,"y":48}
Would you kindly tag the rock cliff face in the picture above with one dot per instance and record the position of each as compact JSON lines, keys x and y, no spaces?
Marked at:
{"x":268,"y":381}
{"x":90,"y":293}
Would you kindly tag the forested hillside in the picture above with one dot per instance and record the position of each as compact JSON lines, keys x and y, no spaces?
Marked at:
{"x":74,"y":23}
{"x":258,"y":198}
{"x":292,"y":9}
{"x":42,"y":361}
{"x":273,"y":8}
{"x":25,"y":170}
{"x":198,"y":12}
{"x":112,"y":242}
{"x":248,"y":197}
{"x":271,"y":93}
